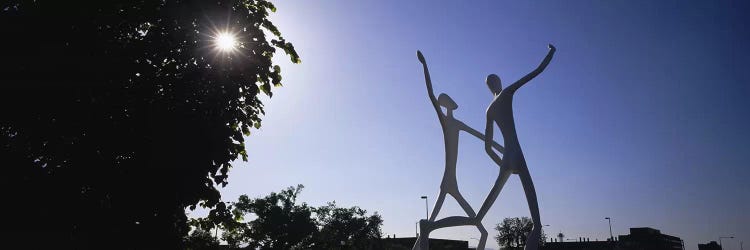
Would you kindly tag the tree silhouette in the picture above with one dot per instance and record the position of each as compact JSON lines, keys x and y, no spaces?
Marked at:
{"x":200,"y":238}
{"x":351,"y":226}
{"x":117,"y":115}
{"x":512,"y":232}
{"x":280,"y":223}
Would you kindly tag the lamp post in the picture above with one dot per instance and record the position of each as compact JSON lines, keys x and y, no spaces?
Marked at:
{"x":426,"y":211}
{"x":611,"y":238}
{"x":724,"y":237}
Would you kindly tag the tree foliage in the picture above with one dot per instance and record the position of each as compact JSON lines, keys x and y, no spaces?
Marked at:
{"x":200,"y":239}
{"x":117,"y":115}
{"x":512,"y":232}
{"x":278,"y":221}
{"x":351,"y":226}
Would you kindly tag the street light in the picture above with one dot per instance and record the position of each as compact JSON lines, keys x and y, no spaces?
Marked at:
{"x":724,"y":237}
{"x":426,"y":211}
{"x":612,"y":238}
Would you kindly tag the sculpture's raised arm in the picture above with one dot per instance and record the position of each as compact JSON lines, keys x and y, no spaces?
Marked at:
{"x":513,"y":87}
{"x":428,"y":81}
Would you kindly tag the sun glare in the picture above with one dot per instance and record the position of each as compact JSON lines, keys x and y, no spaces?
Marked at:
{"x":225,"y":42}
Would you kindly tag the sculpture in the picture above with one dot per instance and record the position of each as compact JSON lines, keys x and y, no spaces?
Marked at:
{"x":499,"y":112}
{"x":451,"y":128}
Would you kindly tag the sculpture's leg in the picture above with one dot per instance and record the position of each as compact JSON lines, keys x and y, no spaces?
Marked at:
{"x":482,"y":237}
{"x":492,"y":196}
{"x":416,"y":245}
{"x":465,"y":205}
{"x":425,"y":227}
{"x":532,"y":242}
{"x":452,"y":221}
{"x":438,"y":205}
{"x":424,"y":238}
{"x":422,"y":242}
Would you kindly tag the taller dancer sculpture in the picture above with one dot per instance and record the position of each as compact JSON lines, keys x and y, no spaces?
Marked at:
{"x":451,"y":128}
{"x":500,"y":112}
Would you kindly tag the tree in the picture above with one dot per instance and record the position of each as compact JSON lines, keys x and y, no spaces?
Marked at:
{"x":118,"y":115}
{"x":349,"y":225}
{"x":506,"y":236}
{"x":200,"y":238}
{"x":280,"y":222}
{"x":512,"y":232}
{"x":221,"y":216}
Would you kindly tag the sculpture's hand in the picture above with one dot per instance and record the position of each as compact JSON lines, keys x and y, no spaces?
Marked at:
{"x":470,"y":130}
{"x":420,"y":57}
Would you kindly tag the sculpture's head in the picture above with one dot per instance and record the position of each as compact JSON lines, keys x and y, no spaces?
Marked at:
{"x":446,"y":101}
{"x":493,"y":82}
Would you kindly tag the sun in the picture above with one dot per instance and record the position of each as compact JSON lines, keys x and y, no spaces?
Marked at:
{"x":225,"y":42}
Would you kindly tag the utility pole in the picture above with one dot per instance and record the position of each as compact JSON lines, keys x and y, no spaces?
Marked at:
{"x":426,"y":210}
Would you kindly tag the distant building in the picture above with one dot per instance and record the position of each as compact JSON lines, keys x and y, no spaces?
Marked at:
{"x":401,"y":244}
{"x":645,"y":238}
{"x":642,"y":238}
{"x":709,"y":246}
{"x":581,"y":244}
{"x":435,"y":244}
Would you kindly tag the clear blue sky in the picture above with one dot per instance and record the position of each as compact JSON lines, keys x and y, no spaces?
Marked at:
{"x":642,"y":115}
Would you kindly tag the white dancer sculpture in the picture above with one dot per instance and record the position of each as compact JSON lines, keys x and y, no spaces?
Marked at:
{"x":499,"y":112}
{"x":451,"y":128}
